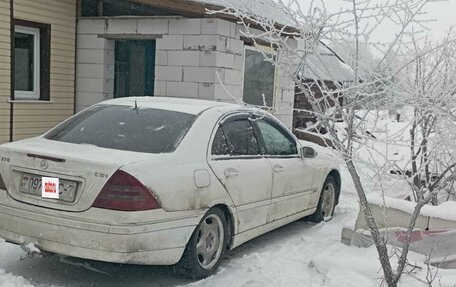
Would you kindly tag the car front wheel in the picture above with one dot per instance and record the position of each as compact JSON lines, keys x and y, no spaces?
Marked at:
{"x":327,"y":202}
{"x":206,"y":247}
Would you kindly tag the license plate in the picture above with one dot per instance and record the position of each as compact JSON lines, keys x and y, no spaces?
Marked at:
{"x":31,"y":184}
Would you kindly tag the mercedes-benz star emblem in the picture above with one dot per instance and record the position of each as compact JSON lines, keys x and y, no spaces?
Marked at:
{"x":44,"y":164}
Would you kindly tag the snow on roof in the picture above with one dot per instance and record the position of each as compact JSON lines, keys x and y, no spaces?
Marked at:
{"x":262,"y":8}
{"x":325,"y":65}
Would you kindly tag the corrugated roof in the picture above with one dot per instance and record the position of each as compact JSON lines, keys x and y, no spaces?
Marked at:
{"x":325,"y":65}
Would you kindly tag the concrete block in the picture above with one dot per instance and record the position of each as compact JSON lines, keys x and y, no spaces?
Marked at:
{"x":200,"y":74}
{"x":108,"y":86}
{"x":224,"y":60}
{"x":91,"y":42}
{"x":200,"y":42}
{"x":221,"y":43}
{"x":181,"y":89}
{"x":233,"y":77}
{"x":92,"y":26}
{"x":153,"y":26}
{"x":235,"y":31}
{"x":95,"y":56}
{"x":207,"y":58}
{"x":216,"y":27}
{"x":216,"y":59}
{"x":89,"y":99}
{"x":288,"y":96}
{"x":160,"y":88}
{"x":183,"y":58}
{"x":170,"y":42}
{"x":209,"y":26}
{"x":95,"y":71}
{"x":161,"y":58}
{"x":122,"y":26}
{"x":168,"y":73}
{"x":235,"y":46}
{"x":206,"y":91}
{"x":227,"y":93}
{"x":239,"y":62}
{"x":185,"y":26}
{"x":89,"y":85}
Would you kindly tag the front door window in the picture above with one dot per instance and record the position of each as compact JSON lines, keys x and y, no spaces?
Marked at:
{"x":134,"y":68}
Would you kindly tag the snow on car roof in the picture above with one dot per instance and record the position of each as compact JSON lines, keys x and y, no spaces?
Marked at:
{"x":189,"y":106}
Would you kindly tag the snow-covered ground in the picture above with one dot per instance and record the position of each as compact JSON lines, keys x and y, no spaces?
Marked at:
{"x":299,"y":254}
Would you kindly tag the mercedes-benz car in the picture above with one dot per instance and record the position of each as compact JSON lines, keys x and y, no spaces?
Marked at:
{"x":161,"y":181}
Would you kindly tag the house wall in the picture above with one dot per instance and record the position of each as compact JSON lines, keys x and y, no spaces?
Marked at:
{"x":5,"y":69}
{"x":195,"y":58}
{"x":31,"y":119}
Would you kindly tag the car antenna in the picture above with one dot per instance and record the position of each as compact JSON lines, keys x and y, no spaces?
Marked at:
{"x":136,"y":107}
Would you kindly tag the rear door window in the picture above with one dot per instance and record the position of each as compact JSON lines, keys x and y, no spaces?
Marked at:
{"x":235,"y":138}
{"x":125,"y":128}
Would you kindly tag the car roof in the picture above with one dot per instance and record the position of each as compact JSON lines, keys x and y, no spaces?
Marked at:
{"x":190,"y":106}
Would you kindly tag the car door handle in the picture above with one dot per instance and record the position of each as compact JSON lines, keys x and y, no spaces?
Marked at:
{"x":229,"y":172}
{"x":278,"y":168}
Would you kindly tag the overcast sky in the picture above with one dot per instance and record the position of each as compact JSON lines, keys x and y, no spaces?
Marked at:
{"x":443,"y":12}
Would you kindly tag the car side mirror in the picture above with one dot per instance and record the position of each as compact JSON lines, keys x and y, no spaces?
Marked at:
{"x":308,"y":152}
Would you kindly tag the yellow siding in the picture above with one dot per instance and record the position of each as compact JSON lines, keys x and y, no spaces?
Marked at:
{"x":35,"y":118}
{"x":5,"y":69}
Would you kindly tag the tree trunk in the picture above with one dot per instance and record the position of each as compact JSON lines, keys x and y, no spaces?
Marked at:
{"x":379,"y":241}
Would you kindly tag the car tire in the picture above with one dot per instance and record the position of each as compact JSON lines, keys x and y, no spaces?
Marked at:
{"x":207,"y":246}
{"x":327,"y":202}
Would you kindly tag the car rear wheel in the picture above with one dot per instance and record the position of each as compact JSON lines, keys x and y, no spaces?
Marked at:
{"x":327,"y":202}
{"x":207,"y":246}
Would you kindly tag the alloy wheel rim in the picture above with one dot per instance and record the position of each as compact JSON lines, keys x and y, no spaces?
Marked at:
{"x":327,"y":207}
{"x":209,"y":244}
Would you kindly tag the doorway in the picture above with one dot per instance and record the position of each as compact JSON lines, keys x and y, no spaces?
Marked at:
{"x":134,"y":70}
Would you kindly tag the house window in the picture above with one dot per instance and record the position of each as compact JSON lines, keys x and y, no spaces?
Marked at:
{"x":31,"y":60}
{"x":259,"y":79}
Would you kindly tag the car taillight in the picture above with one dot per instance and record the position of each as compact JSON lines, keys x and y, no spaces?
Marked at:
{"x":124,"y":192}
{"x":2,"y":183}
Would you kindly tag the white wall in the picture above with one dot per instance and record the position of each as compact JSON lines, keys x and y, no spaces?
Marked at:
{"x":195,"y":58}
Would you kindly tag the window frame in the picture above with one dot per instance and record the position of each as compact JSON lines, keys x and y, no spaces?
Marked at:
{"x":42,"y":61}
{"x":259,"y":49}
{"x":35,"y":94}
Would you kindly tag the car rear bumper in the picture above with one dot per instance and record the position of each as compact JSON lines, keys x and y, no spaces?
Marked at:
{"x":152,"y":243}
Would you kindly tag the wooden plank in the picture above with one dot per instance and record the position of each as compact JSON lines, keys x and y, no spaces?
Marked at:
{"x":53,"y":119}
{"x":32,"y":131}
{"x":51,"y":106}
{"x":40,"y":111}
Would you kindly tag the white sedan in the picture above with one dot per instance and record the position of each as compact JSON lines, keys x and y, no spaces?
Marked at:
{"x":161,"y":181}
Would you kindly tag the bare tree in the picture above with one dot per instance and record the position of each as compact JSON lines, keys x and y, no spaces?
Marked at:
{"x":372,"y":86}
{"x":428,"y":86}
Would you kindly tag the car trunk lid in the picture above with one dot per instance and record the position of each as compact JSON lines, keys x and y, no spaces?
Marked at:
{"x":82,"y":170}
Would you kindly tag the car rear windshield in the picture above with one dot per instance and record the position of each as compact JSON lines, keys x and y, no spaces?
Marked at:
{"x":126,"y":128}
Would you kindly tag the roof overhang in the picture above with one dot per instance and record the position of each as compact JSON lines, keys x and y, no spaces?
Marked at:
{"x":193,"y":9}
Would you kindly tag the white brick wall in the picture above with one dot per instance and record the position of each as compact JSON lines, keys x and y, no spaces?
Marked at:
{"x":185,"y":26}
{"x":189,"y":52}
{"x":168,"y":73}
{"x":183,"y":58}
{"x":170,"y":42}
{"x":182,"y":89}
